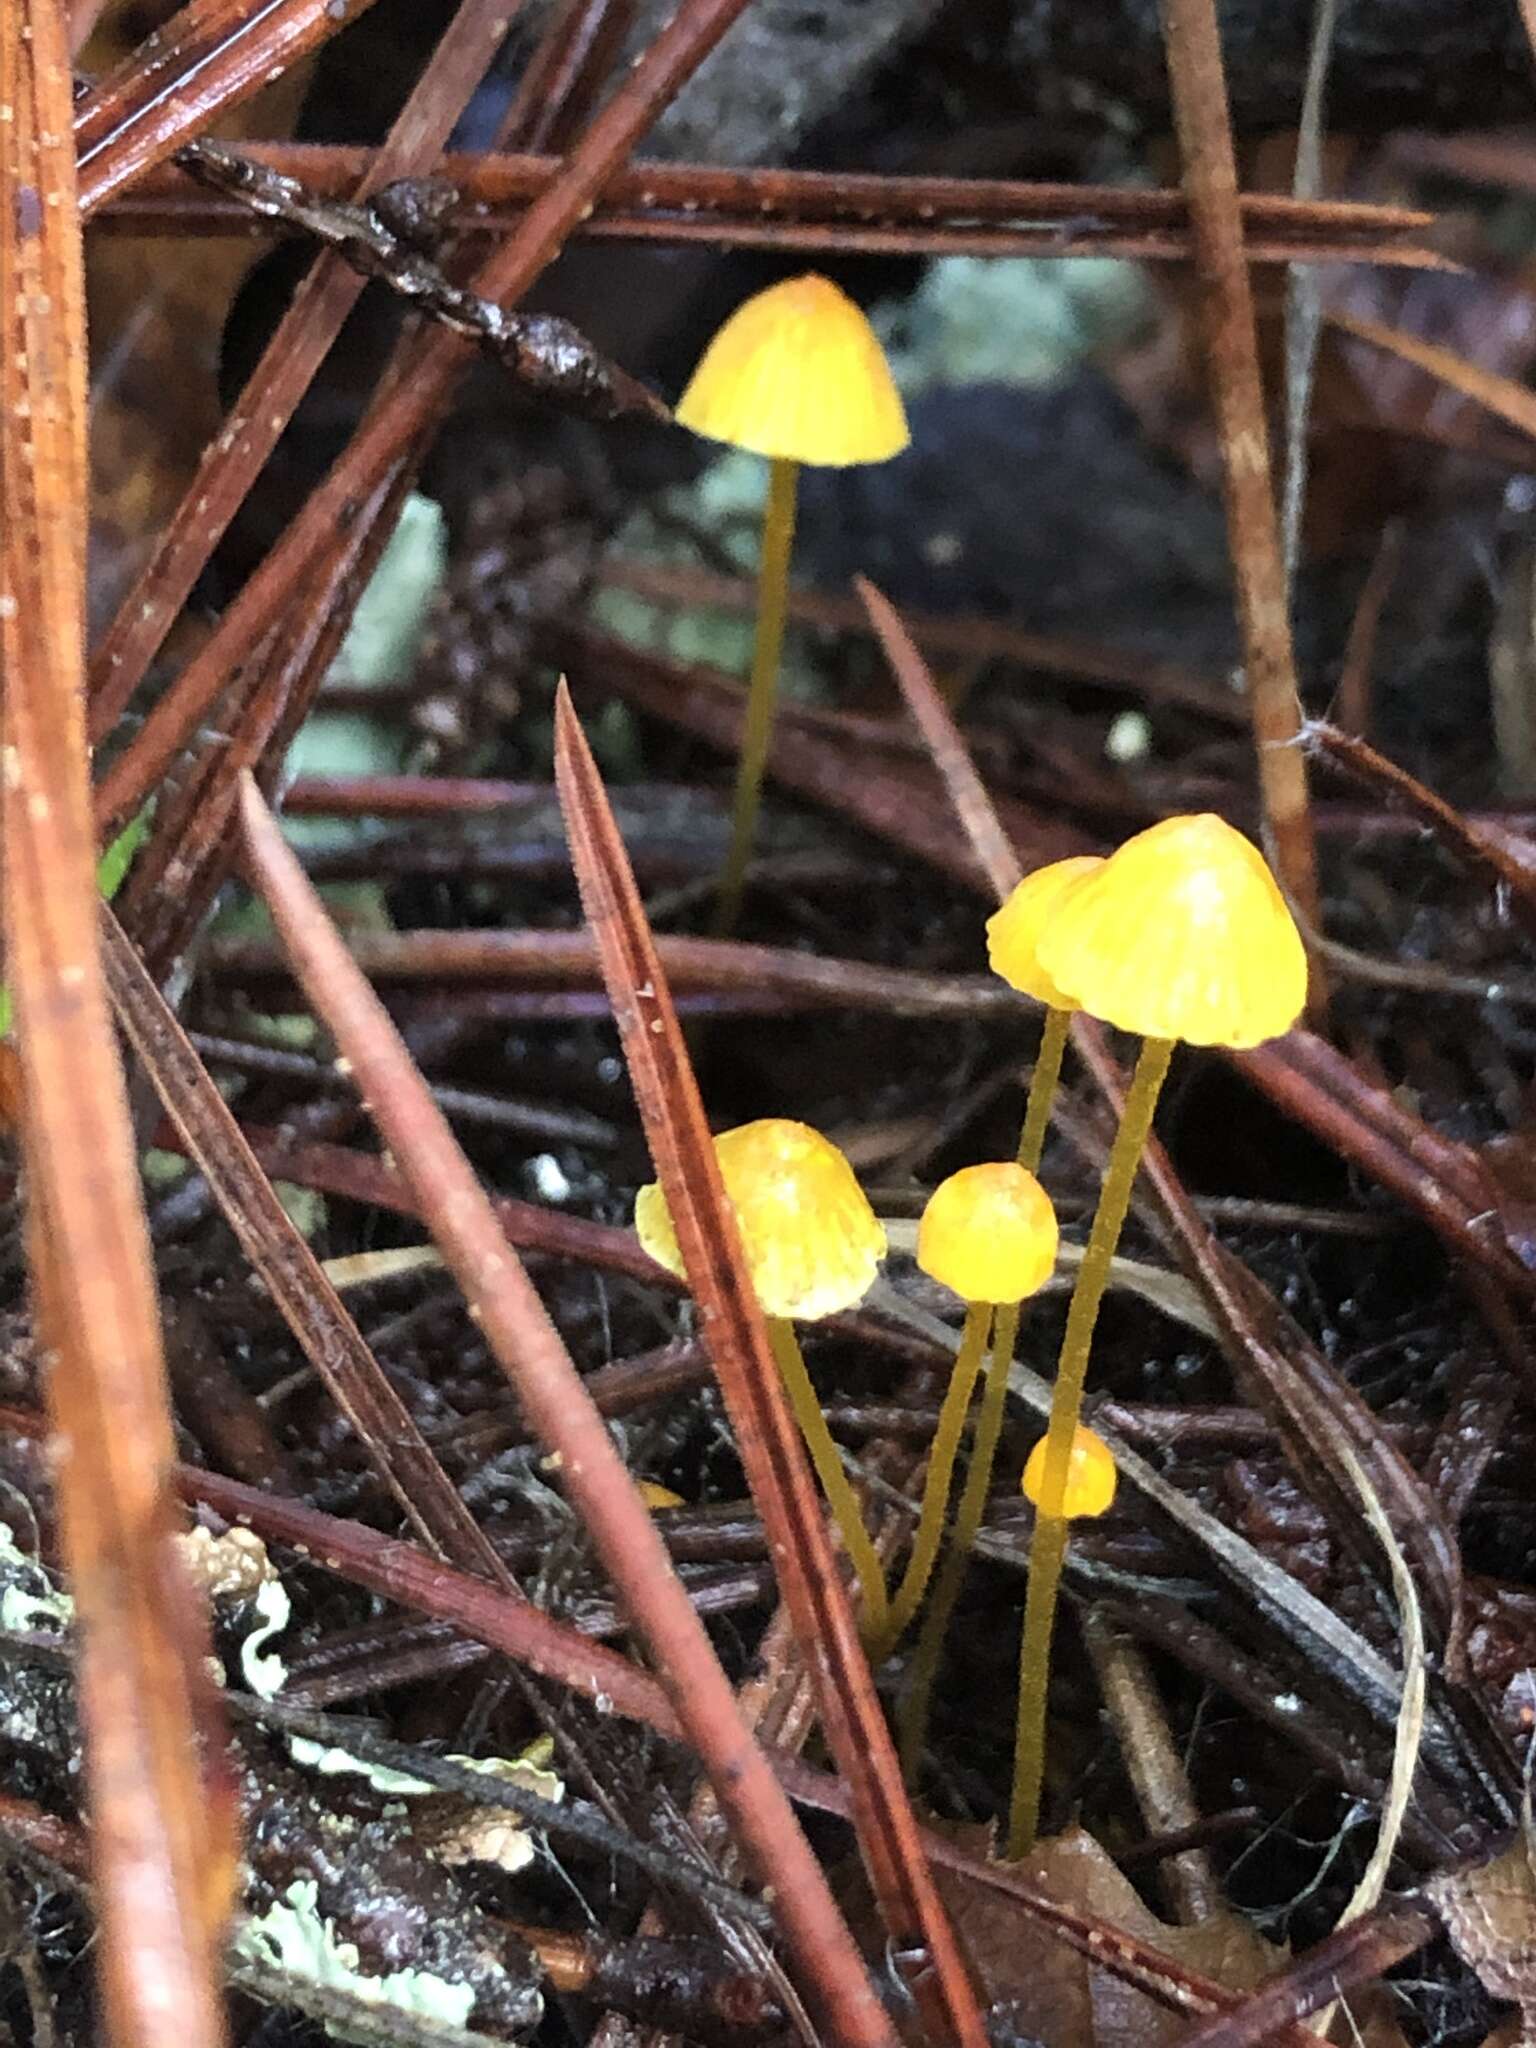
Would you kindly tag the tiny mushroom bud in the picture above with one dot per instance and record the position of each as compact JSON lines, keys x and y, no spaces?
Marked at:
{"x":813,"y":1246}
{"x":796,"y":374}
{"x":1091,"y":1476}
{"x":989,"y":1233}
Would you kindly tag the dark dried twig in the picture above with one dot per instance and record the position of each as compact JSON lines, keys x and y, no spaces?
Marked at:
{"x":552,"y":959}
{"x":392,"y":238}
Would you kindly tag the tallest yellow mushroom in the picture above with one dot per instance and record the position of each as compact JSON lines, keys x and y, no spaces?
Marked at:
{"x":796,"y":374}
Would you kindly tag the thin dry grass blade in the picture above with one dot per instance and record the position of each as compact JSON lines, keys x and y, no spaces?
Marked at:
{"x":1501,"y":396}
{"x":1203,"y":120}
{"x":289,"y":1269}
{"x":767,"y":1438}
{"x":934,"y":720}
{"x":561,"y":1410}
{"x":163,"y":1848}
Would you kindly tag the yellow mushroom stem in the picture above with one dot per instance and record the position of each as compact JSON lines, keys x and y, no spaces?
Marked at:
{"x":908,"y":1596}
{"x":828,"y":1462}
{"x":1042,"y":1087}
{"x":762,"y":690}
{"x":913,"y":1715}
{"x":1048,"y":1545}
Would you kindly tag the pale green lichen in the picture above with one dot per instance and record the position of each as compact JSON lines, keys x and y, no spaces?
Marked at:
{"x":380,"y":648}
{"x":293,"y":1936}
{"x":31,"y":1600}
{"x":1029,"y":320}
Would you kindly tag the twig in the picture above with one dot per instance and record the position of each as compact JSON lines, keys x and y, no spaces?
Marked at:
{"x":554,"y":959}
{"x":769,"y":207}
{"x":1153,"y":1764}
{"x":392,"y":238}
{"x":950,"y":754}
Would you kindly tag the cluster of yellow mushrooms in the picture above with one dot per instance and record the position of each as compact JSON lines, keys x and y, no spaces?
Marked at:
{"x":1180,"y":934}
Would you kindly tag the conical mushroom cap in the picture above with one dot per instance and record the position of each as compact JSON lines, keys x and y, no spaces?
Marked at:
{"x":812,"y":1241}
{"x":1014,"y":932}
{"x":1182,"y":933}
{"x":797,"y":372}
{"x":989,"y":1233}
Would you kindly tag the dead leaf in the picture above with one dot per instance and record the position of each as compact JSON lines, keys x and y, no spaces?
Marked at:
{"x":1049,"y":1991}
{"x":1490,"y":1914}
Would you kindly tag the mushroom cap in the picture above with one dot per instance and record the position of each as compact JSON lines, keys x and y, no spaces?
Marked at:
{"x":1182,"y":933}
{"x":1014,"y":932}
{"x":989,"y":1232}
{"x":796,"y":372}
{"x":1091,"y":1475}
{"x":812,"y":1241}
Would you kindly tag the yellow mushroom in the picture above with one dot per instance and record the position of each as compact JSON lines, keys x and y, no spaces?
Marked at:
{"x":989,"y":1234}
{"x":813,"y":1245}
{"x":796,"y":374}
{"x":1181,"y":933}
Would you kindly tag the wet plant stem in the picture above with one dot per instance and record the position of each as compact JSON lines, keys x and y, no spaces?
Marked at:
{"x":908,"y":1596}
{"x":912,"y":1720}
{"x":827,"y":1459}
{"x":762,"y":690}
{"x":1048,"y":1545}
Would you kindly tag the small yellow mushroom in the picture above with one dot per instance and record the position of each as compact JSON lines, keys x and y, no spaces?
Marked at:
{"x":1181,"y":933}
{"x":989,"y":1234}
{"x":813,"y":1245}
{"x":795,"y":374}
